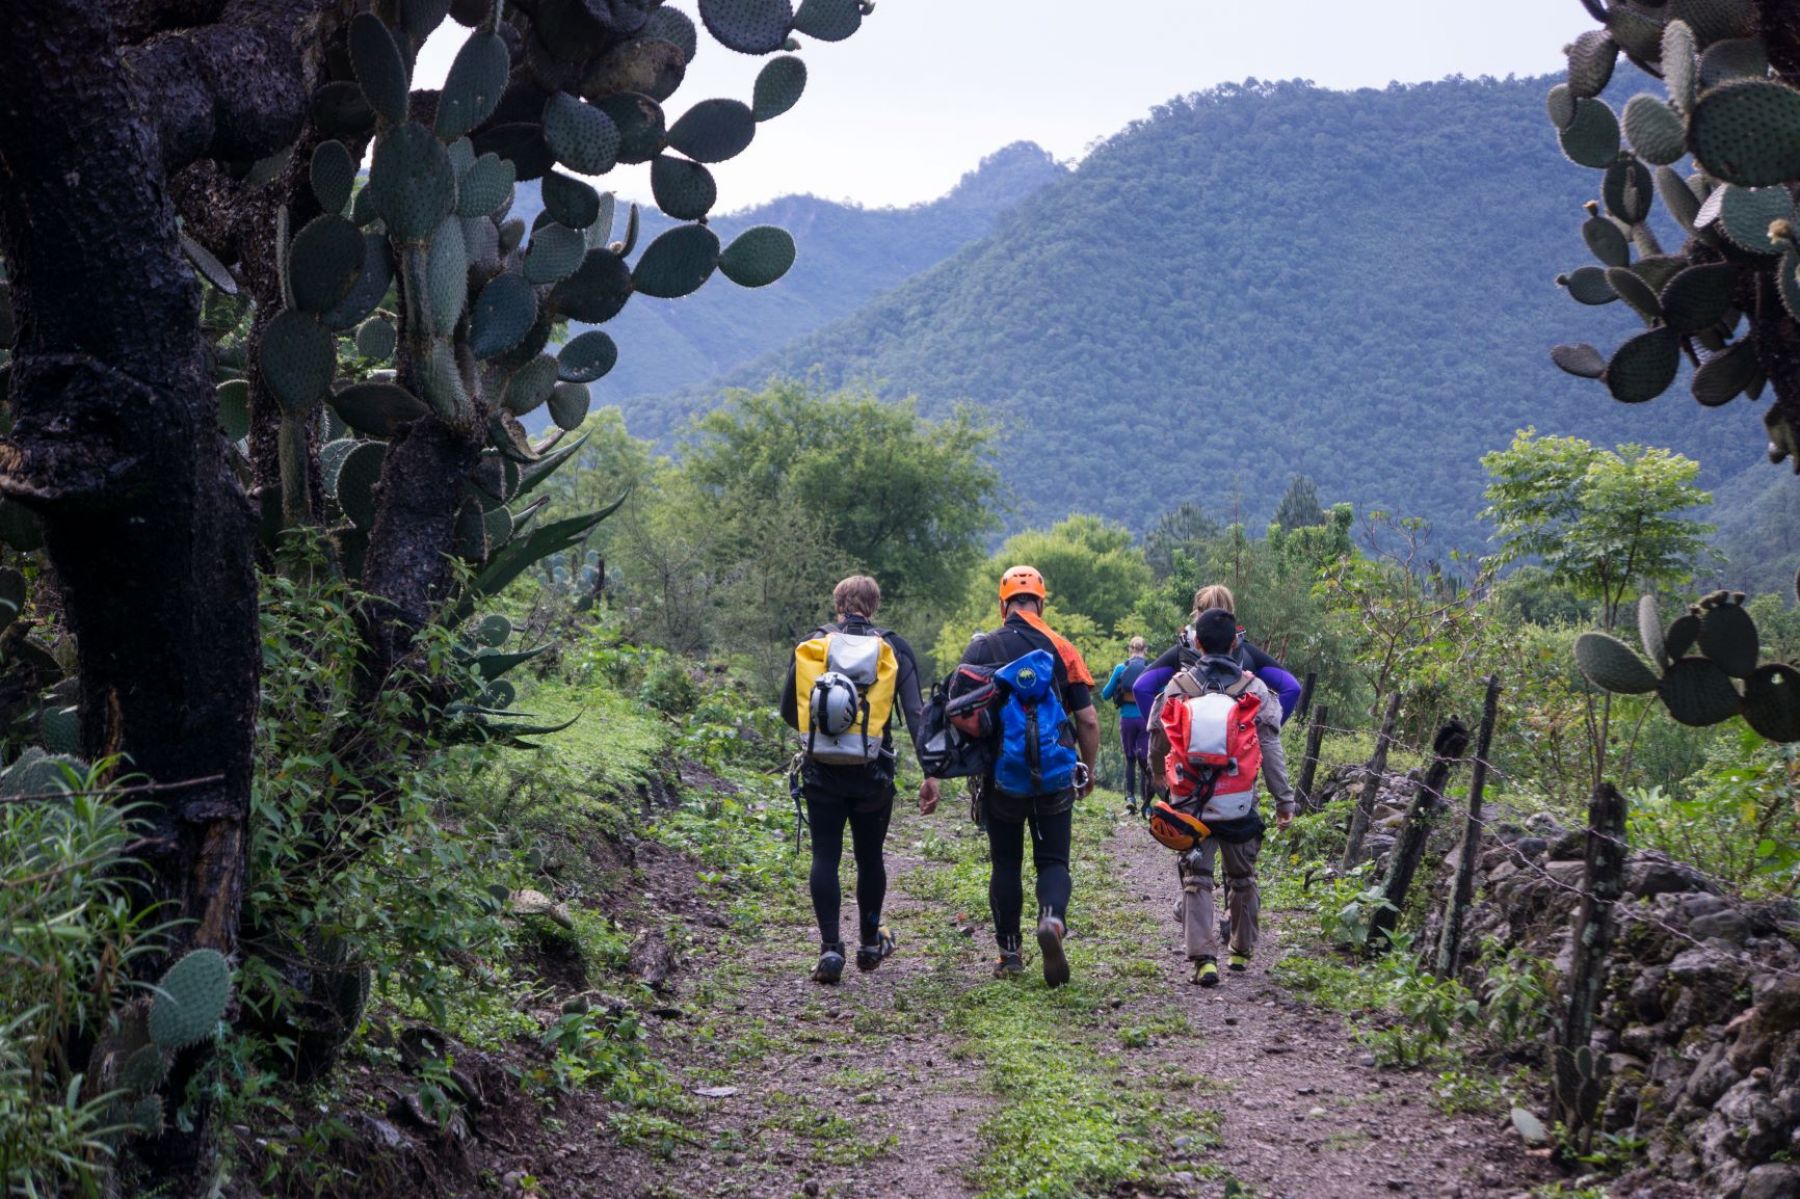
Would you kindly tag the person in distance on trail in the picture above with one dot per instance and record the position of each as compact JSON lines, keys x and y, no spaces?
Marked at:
{"x":1184,"y":652}
{"x":1134,"y":737}
{"x":1047,"y":738}
{"x":1223,"y":799}
{"x":842,"y":688}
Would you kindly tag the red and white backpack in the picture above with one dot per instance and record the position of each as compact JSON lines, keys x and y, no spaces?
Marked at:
{"x":1214,"y":755}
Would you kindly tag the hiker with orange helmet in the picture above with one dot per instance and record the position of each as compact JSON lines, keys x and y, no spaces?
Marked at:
{"x":1046,"y":735}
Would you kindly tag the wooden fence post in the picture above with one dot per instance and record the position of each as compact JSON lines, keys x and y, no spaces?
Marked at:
{"x":1309,"y":763}
{"x":1373,"y":774}
{"x":1462,"y":890}
{"x":1306,"y":696}
{"x":1577,"y":1080}
{"x":1450,"y":744}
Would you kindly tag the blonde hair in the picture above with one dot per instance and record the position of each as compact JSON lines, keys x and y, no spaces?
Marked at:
{"x":858,"y":595}
{"x":1138,"y":645}
{"x":1216,"y":595}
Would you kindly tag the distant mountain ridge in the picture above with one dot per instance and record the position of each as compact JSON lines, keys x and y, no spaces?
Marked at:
{"x":1261,"y":280}
{"x":847,"y":256}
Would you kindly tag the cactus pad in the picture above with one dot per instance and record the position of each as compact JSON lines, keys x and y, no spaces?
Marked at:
{"x":748,"y":26}
{"x":587,"y":358}
{"x":1682,"y":632}
{"x":1644,"y":366}
{"x":596,"y":291}
{"x":639,"y":120}
{"x":1592,"y":137}
{"x":677,"y":263}
{"x":569,"y":201}
{"x":1680,"y":64}
{"x":582,"y":137}
{"x":1677,"y":197}
{"x":1698,"y":693}
{"x":380,"y":70}
{"x":835,"y":20}
{"x":356,"y":480}
{"x":332,"y":173}
{"x":1581,"y":360}
{"x":473,"y":87}
{"x":669,"y":24}
{"x":1697,"y":297}
{"x":144,"y":1070}
{"x":1628,"y":189}
{"x":1629,"y":286}
{"x":684,"y":190}
{"x":1592,"y":57}
{"x":298,"y":358}
{"x":1655,"y":131}
{"x":485,"y":186}
{"x":234,"y":409}
{"x":779,"y":86}
{"x":1588,"y":285}
{"x":644,"y":65}
{"x":377,"y":409}
{"x":411,"y":182}
{"x":569,"y":405}
{"x":1559,"y":106}
{"x":504,"y":311}
{"x":1726,"y":374}
{"x":1607,"y":241}
{"x":370,"y":288}
{"x":1728,"y":637}
{"x":530,"y":385}
{"x":758,"y":257}
{"x":1772,"y":702}
{"x":1609,"y":664}
{"x":555,"y":252}
{"x":331,"y":461}
{"x":376,"y":339}
{"x":190,"y":999}
{"x":1748,"y":132}
{"x":1787,"y":282}
{"x":1743,"y":215}
{"x":714,"y":130}
{"x":323,"y":263}
{"x":1650,"y":630}
{"x":492,"y":631}
{"x":1731,"y":59}
{"x":446,"y":276}
{"x":146,"y":1115}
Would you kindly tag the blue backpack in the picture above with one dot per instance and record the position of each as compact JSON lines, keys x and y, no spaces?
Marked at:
{"x":1036,"y":754}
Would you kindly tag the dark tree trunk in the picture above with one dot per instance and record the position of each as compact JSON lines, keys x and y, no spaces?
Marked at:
{"x":1451,"y":743}
{"x":115,"y":440}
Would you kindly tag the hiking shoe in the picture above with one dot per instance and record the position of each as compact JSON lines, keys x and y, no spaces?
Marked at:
{"x":1206,"y":972}
{"x":1050,"y":945}
{"x":1009,"y":964}
{"x":869,"y":956}
{"x":831,"y":963}
{"x":1239,"y":962}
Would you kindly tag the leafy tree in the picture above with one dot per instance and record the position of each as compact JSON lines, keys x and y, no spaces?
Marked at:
{"x":1605,"y":523}
{"x":1183,"y":529}
{"x":1300,"y":507}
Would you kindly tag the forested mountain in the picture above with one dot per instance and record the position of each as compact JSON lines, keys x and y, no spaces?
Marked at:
{"x":1264,"y":279}
{"x":848,"y":255}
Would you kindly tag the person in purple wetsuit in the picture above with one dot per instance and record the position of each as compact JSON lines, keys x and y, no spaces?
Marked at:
{"x":1255,"y":660}
{"x":1134,"y":735}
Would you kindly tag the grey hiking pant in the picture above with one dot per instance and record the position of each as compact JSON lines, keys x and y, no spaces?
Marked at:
{"x":1198,"y":913}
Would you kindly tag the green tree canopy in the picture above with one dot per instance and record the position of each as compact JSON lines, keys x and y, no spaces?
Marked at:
{"x":1300,"y":507}
{"x":1602,"y":522}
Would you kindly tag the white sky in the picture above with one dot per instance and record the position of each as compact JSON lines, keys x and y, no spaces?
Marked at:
{"x":897,"y":113}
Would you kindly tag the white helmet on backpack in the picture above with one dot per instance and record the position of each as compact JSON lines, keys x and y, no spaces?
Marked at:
{"x":835,"y":704}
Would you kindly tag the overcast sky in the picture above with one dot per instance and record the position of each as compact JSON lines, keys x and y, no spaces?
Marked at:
{"x":897,"y":113}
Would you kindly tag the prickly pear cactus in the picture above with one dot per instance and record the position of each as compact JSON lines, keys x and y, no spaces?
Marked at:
{"x":1703,"y":667}
{"x":1727,"y":301}
{"x":190,"y":999}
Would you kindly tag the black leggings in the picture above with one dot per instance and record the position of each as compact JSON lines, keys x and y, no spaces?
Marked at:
{"x":827,"y":814}
{"x":1049,"y":857}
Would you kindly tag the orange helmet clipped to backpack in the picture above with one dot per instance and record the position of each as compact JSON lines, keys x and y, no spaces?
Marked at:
{"x":1021,"y":580}
{"x":1175,"y":828}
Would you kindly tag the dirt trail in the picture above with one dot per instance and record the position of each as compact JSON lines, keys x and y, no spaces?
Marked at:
{"x":1308,"y":1115}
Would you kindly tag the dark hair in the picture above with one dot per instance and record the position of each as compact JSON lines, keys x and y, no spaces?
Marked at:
{"x":1216,"y":631}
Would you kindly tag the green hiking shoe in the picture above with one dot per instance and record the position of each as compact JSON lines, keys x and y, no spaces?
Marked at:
{"x":1206,"y":972}
{"x":1240,"y":962}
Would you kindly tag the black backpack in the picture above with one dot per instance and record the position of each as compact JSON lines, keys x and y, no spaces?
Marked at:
{"x":956,"y":729}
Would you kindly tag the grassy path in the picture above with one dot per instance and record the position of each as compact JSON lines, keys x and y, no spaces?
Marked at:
{"x":930,"y":1079}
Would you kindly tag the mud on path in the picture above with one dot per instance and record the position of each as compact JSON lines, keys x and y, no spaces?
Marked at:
{"x":1306,"y":1114}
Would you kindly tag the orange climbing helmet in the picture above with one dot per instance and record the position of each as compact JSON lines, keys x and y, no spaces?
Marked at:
{"x":1021,"y":580}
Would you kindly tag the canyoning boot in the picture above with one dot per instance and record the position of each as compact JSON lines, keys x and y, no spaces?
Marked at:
{"x":870,"y":956}
{"x":1206,"y":972}
{"x":1238,"y":963}
{"x":1009,"y":964}
{"x":1050,"y":947}
{"x":831,"y":963}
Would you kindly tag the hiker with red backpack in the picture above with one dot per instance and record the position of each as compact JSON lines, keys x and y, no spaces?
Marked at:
{"x":1219,"y":729}
{"x":1045,"y":736}
{"x":1216,"y":595}
{"x":843,"y":686}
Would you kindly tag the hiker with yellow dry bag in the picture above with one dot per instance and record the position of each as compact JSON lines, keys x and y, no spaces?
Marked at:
{"x":1216,"y":728}
{"x":843,"y":688}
